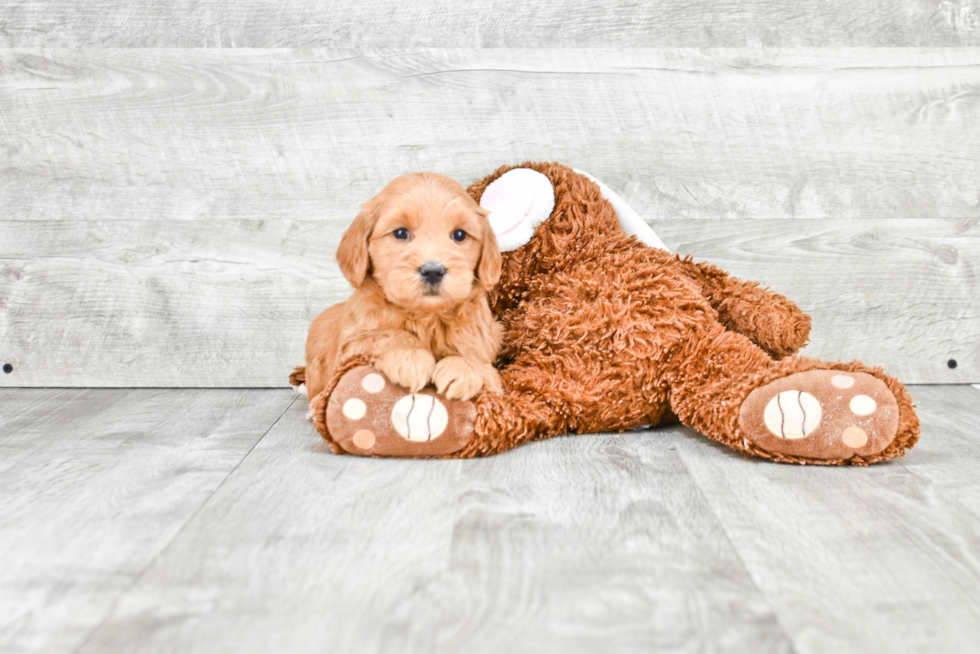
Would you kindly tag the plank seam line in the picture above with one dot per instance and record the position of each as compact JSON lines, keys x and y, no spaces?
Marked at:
{"x":164,"y":549}
{"x":738,"y":555}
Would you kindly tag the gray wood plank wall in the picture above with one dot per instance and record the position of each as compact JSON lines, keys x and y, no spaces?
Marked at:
{"x":169,"y":214}
{"x":506,"y":23}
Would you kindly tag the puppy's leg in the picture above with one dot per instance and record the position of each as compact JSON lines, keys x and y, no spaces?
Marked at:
{"x":408,"y":367}
{"x":397,"y":354}
{"x":476,"y":342}
{"x":460,"y":378}
{"x":321,"y":350}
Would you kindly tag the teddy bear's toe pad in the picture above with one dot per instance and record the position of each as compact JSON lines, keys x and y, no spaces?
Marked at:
{"x":821,"y":414}
{"x":369,"y":415}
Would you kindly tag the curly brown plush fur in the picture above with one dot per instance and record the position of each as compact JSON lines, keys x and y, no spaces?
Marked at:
{"x":603,"y":333}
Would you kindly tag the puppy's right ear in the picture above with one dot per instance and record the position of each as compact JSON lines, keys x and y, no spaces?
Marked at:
{"x":352,"y":255}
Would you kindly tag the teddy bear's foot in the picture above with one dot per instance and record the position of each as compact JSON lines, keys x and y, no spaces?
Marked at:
{"x":821,"y":415}
{"x":369,"y":415}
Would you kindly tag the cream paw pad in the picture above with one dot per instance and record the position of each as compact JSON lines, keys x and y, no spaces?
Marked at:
{"x":369,"y":415}
{"x":821,"y":414}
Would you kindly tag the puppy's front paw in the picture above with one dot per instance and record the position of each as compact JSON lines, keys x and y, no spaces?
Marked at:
{"x":411,"y":368}
{"x":458,"y":378}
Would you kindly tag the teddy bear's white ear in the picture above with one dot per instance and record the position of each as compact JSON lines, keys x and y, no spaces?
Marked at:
{"x":518,"y":201}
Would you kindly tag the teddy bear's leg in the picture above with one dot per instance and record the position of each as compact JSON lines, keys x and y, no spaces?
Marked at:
{"x":768,"y":319}
{"x":363,"y":413}
{"x":368,"y":414}
{"x":541,"y":403}
{"x":797,"y":410}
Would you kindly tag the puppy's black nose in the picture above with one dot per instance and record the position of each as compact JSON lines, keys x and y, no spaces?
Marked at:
{"x":432,"y":272}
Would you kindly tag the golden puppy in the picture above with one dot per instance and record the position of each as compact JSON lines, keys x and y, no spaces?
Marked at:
{"x":421,"y":256}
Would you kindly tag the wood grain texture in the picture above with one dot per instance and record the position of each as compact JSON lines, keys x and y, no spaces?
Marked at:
{"x":160,"y":303}
{"x":950,"y":415}
{"x":447,"y":23}
{"x":900,"y":294}
{"x":96,"y":484}
{"x":228,"y":303}
{"x":310,"y":134}
{"x":595,"y":543}
{"x":144,"y":529}
{"x":300,"y":551}
{"x":565,"y":547}
{"x":884,"y":559}
{"x":231,"y":158}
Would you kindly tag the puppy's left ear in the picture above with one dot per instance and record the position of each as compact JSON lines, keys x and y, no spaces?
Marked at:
{"x":488,"y":269}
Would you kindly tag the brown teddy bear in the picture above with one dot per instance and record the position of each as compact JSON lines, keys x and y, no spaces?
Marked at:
{"x":604,"y":333}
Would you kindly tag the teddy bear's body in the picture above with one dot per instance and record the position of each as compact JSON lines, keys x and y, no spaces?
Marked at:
{"x":603,"y":333}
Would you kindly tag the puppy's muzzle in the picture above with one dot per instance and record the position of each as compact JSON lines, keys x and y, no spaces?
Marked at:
{"x":432,"y":272}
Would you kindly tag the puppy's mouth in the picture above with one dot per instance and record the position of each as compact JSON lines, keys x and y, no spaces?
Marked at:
{"x":431,"y":290}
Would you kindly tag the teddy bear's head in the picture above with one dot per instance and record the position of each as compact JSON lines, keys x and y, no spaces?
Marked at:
{"x":543,"y":215}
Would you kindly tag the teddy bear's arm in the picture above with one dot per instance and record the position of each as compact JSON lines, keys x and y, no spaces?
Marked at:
{"x":768,"y":319}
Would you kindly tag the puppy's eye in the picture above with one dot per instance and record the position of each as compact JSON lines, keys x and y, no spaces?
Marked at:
{"x":401,"y":233}
{"x":459,"y":235}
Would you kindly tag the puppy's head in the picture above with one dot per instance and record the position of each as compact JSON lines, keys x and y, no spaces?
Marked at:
{"x":425,"y":241}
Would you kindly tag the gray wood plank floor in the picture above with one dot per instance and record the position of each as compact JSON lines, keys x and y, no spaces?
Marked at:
{"x":216,"y":521}
{"x":96,"y":485}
